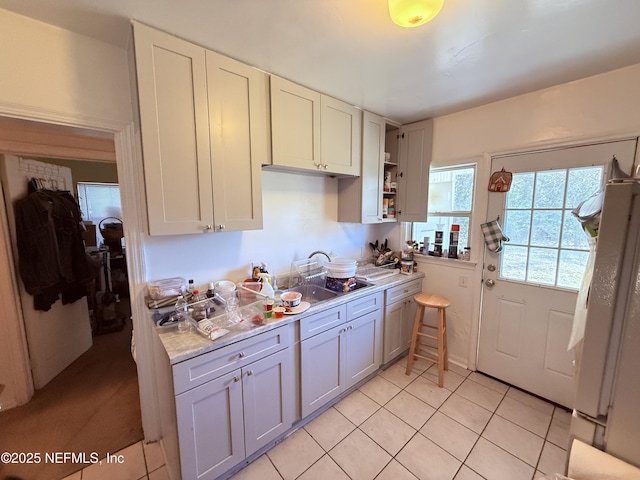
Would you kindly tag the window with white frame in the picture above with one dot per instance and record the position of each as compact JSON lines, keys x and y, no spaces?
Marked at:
{"x":99,"y":201}
{"x":450,"y":202}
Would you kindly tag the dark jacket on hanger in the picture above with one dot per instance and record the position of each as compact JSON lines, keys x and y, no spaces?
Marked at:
{"x":51,"y":256}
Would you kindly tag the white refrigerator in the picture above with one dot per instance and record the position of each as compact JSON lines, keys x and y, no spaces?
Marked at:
{"x":607,"y":402}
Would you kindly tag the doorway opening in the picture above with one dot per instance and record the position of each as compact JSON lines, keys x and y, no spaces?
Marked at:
{"x":92,"y":405}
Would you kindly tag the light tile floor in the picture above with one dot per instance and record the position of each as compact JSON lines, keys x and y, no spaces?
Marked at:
{"x":398,"y":427}
{"x":139,"y":461}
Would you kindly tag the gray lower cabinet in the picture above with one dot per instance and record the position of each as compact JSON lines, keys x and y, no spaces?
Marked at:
{"x":399,"y":315}
{"x":229,"y":417}
{"x":345,"y":351}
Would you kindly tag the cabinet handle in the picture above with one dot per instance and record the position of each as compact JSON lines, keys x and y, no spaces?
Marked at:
{"x":208,"y":228}
{"x":236,"y":379}
{"x":325,"y":166}
{"x":241,"y":354}
{"x":250,"y":372}
{"x":220,"y":227}
{"x":317,"y":165}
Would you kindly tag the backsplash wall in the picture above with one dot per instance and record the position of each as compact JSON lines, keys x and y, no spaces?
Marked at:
{"x":300,"y":216}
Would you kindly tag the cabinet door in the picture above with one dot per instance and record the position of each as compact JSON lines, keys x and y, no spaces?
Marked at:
{"x":413,"y":171}
{"x":172,"y":91}
{"x":239,"y":132}
{"x":267,"y":387}
{"x":295,"y":125}
{"x":322,"y":361}
{"x":360,"y":199}
{"x":210,"y":427}
{"x":364,"y":346}
{"x":393,"y":331}
{"x":340,"y":136}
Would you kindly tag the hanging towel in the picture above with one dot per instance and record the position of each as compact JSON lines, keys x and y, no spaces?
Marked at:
{"x":493,"y":235}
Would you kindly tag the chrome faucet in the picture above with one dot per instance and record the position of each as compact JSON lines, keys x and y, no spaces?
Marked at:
{"x":321,"y":253}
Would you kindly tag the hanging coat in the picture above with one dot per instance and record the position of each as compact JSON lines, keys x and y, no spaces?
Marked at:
{"x":51,"y":256}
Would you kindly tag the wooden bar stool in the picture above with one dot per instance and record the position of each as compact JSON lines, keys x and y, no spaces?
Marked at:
{"x":416,"y":350}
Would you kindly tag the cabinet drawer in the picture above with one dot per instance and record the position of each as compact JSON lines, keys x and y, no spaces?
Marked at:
{"x":364,"y":305}
{"x":196,"y":371}
{"x":321,"y":321}
{"x":401,"y":291}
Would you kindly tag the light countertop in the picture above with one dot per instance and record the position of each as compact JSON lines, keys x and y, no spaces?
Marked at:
{"x":183,"y":346}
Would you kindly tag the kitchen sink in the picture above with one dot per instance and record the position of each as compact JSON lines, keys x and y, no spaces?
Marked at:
{"x":314,"y":293}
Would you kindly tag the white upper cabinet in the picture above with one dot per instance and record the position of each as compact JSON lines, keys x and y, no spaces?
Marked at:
{"x":413,"y":171}
{"x":360,"y":199}
{"x":239,"y":135}
{"x":172,"y":91}
{"x":205,"y":132}
{"x":403,"y":195}
{"x":295,"y":125}
{"x":340,"y":135}
{"x":311,"y":131}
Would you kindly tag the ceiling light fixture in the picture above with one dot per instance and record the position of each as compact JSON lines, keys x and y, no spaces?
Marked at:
{"x":411,"y":13}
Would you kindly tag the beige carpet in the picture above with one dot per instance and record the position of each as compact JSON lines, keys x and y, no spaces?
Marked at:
{"x":92,"y":406}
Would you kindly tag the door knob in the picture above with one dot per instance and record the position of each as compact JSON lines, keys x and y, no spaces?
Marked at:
{"x":490,"y":282}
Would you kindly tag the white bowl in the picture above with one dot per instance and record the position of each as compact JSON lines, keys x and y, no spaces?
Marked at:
{"x":291,"y":299}
{"x":342,"y":267}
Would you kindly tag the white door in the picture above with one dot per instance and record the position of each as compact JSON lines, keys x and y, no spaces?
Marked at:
{"x":60,"y":335}
{"x":530,"y":287}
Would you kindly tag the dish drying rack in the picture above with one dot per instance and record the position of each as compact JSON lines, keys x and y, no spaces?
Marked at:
{"x":307,"y":272}
{"x":372,"y":273}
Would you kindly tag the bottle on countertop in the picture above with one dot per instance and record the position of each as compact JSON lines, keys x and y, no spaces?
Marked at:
{"x":181,"y":312}
{"x":191,"y":287}
{"x":266,"y":289}
{"x":211,"y":293}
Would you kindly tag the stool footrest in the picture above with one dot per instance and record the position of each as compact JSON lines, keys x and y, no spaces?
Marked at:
{"x":428,"y":336}
{"x":431,"y":358}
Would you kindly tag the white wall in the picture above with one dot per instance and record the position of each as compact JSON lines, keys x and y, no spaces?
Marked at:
{"x":599,"y":107}
{"x":300,"y":216}
{"x":54,"y":70}
{"x":51,"y":74}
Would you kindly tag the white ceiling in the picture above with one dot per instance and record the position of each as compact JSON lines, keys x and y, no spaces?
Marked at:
{"x":472,"y":53}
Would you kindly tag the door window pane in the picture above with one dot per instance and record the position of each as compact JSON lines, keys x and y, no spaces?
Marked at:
{"x":573,"y":236}
{"x":517,"y":223}
{"x":550,"y":189}
{"x":571,"y":268}
{"x":545,"y":228}
{"x":542,"y":266}
{"x":521,"y":193}
{"x":513,"y":265}
{"x":582,"y":183}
